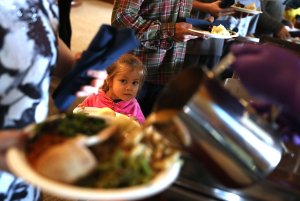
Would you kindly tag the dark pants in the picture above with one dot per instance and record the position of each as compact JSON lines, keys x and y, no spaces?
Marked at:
{"x":191,"y":60}
{"x":206,"y":62}
{"x":147,"y":97}
{"x":65,"y":29}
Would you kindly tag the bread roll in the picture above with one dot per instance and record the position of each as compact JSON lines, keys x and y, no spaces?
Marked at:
{"x":66,"y":162}
{"x":251,"y":6}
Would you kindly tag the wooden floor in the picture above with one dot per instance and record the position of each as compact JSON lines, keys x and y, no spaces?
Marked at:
{"x":86,"y":20}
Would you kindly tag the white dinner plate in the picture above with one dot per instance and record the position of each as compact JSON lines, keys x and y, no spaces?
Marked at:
{"x":244,"y":10}
{"x":100,"y":112}
{"x":93,"y":111}
{"x":294,"y":29}
{"x":20,"y":166}
{"x":211,"y":35}
{"x":97,"y":112}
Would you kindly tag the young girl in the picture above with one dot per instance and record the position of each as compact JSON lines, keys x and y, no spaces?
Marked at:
{"x":124,"y":79}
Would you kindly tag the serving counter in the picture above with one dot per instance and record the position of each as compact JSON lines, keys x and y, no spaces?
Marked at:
{"x":194,"y":183}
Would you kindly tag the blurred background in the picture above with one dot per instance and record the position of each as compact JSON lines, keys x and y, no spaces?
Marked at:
{"x":86,"y":19}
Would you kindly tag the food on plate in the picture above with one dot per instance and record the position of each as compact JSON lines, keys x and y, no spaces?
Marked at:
{"x":130,"y":156}
{"x":251,"y":6}
{"x":57,"y":131}
{"x":82,"y":163}
{"x":221,"y":30}
{"x":216,"y":32}
{"x":72,"y":161}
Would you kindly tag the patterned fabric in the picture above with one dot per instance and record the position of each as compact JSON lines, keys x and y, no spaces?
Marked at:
{"x":130,"y":108}
{"x":154,"y":23}
{"x":15,"y":189}
{"x":27,"y":55}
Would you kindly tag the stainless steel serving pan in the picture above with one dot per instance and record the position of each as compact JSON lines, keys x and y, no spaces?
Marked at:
{"x":234,"y":144}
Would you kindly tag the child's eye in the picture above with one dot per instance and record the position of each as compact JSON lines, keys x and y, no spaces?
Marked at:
{"x":135,"y":83}
{"x":123,"y":81}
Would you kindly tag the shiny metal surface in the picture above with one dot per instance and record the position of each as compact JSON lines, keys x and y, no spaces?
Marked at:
{"x":194,"y":184}
{"x":194,"y":180}
{"x":241,"y":149}
{"x":232,"y":142}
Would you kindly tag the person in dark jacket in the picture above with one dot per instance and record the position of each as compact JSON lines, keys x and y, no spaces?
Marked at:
{"x":270,"y":21}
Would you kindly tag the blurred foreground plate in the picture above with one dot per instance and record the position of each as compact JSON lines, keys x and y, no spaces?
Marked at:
{"x":211,"y":35}
{"x":21,"y":167}
{"x":244,"y":10}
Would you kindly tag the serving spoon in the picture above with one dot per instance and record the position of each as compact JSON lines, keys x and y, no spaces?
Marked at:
{"x":72,"y":160}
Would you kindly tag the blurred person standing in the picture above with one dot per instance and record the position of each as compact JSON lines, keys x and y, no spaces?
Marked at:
{"x":243,"y":23}
{"x":292,"y":12}
{"x":28,"y":28}
{"x":270,"y":21}
{"x":163,"y":34}
{"x":30,"y":53}
{"x":206,"y":52}
{"x":209,"y":52}
{"x":292,"y":3}
{"x":65,"y":28}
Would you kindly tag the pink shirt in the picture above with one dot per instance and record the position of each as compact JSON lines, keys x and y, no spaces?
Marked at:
{"x":130,"y":108}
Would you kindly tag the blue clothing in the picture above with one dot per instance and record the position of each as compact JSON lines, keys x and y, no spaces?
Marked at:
{"x":292,"y":3}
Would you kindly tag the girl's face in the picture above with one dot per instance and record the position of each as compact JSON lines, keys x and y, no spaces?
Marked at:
{"x":124,"y":85}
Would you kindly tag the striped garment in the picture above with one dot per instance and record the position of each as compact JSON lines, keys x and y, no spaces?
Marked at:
{"x":27,"y":55}
{"x":15,"y":189}
{"x":154,"y":24}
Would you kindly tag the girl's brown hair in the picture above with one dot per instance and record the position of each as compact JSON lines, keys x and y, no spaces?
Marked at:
{"x":127,"y":62}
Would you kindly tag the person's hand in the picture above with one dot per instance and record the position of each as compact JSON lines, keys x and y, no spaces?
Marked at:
{"x":287,"y":23}
{"x":183,"y":34}
{"x":9,"y":138}
{"x":99,"y":77}
{"x":270,"y":73}
{"x":93,"y":88}
{"x":283,"y":33}
{"x":77,"y":55}
{"x":216,"y":11}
